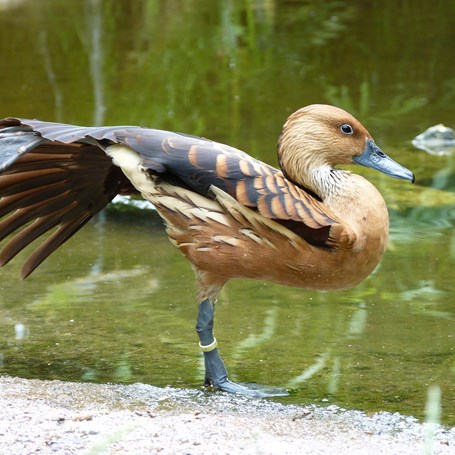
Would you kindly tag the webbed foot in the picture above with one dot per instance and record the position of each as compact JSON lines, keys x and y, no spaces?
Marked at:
{"x":215,"y":372}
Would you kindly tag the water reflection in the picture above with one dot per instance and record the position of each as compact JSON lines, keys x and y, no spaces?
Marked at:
{"x":133,"y":319}
{"x":21,"y":331}
{"x":310,"y":371}
{"x":117,"y":302}
{"x":253,"y":340}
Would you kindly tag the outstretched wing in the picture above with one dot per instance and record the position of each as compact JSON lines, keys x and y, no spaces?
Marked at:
{"x":57,"y":175}
{"x":46,"y":185}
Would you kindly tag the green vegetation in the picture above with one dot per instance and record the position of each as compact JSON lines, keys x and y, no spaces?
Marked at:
{"x":117,"y":302}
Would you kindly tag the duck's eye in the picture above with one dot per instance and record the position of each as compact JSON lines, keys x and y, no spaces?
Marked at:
{"x":345,"y":128}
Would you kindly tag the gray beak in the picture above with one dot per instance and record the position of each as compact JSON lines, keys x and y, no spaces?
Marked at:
{"x":375,"y":158}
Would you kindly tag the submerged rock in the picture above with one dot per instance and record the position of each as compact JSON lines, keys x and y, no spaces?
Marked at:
{"x":437,"y":140}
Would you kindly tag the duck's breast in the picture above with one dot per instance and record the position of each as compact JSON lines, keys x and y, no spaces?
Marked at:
{"x":363,"y":211}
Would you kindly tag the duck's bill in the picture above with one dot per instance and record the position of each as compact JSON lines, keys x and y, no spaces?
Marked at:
{"x":375,"y":158}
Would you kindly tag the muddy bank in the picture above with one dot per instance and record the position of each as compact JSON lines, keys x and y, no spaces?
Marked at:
{"x":54,"y":417}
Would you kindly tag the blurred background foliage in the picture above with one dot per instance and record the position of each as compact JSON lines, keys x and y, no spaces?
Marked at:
{"x":116,"y":303}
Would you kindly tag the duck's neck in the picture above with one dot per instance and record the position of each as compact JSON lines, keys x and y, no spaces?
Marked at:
{"x":359,"y":204}
{"x":348,"y":195}
{"x":327,"y":183}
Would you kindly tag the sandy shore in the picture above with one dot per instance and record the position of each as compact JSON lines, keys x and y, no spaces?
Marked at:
{"x":54,"y":417}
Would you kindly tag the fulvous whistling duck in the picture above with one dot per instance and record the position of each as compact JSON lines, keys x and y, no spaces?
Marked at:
{"x":310,"y":225}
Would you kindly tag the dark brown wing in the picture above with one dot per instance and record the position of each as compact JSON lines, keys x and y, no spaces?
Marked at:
{"x":46,"y":185}
{"x":58,"y":176}
{"x":198,"y":164}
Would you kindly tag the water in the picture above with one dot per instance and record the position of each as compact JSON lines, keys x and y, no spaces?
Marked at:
{"x":117,"y":302}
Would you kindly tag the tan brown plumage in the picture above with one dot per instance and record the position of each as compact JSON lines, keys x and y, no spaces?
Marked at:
{"x":309,"y":225}
{"x":79,"y":180}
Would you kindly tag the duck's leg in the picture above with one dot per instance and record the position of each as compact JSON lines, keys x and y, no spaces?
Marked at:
{"x":215,"y":371}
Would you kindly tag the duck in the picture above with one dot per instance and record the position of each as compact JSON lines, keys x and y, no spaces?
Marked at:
{"x":309,"y":224}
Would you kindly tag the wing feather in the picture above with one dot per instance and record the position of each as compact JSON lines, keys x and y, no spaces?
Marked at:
{"x":52,"y":186}
{"x":198,"y":164}
{"x":65,"y":164}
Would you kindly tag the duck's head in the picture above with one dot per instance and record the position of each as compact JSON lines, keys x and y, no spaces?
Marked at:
{"x":317,"y":138}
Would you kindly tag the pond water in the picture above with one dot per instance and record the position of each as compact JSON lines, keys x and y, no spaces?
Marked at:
{"x":117,"y":302}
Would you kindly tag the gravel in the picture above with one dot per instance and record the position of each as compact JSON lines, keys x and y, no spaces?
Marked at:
{"x":55,"y":417}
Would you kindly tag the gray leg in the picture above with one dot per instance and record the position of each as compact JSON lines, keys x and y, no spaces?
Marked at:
{"x":215,"y":371}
